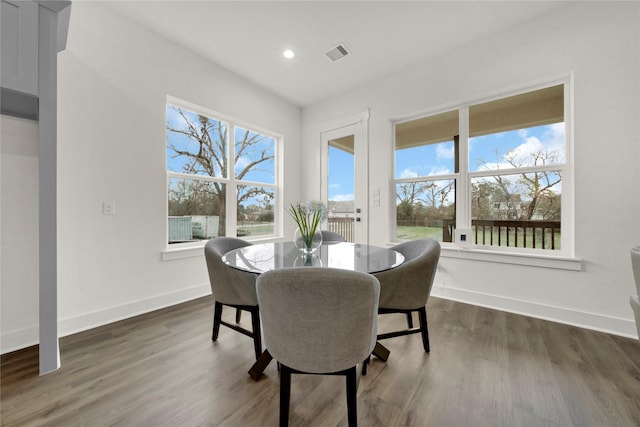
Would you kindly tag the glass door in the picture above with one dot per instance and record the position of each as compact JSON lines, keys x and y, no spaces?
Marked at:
{"x":344,"y":183}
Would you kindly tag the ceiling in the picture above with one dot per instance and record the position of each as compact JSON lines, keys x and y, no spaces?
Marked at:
{"x":248,"y":38}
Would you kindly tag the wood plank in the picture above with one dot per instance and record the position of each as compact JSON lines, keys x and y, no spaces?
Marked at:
{"x":486,"y":367}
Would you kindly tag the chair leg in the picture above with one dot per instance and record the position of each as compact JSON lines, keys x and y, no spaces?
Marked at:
{"x":217,"y":318}
{"x":352,"y":403}
{"x":424,"y":329}
{"x":238,"y":315}
{"x":285,"y":393}
{"x":409,"y":320}
{"x":381,"y":352}
{"x":365,"y":364}
{"x":257,"y":336}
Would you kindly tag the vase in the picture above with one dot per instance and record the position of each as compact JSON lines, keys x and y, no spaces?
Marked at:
{"x":307,"y":244}
{"x":308,"y":260}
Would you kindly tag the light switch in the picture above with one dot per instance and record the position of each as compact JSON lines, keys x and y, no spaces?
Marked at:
{"x":108,"y":208}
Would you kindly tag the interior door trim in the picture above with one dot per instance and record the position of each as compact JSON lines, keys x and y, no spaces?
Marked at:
{"x":357,"y":124}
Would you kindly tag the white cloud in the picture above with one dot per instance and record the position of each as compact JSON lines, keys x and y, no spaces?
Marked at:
{"x":175,"y":120}
{"x":242,"y":163}
{"x":522,"y":154}
{"x":342,"y":198}
{"x":551,"y":141}
{"x":408,"y":173}
{"x":335,"y":186}
{"x":554,"y":137}
{"x":439,"y":171}
{"x":444,"y":152}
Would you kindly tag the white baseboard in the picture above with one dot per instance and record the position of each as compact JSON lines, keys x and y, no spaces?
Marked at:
{"x":94,"y":319}
{"x":17,"y":340}
{"x":596,"y":322}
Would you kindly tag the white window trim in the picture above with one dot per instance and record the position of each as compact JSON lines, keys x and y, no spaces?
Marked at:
{"x":194,"y":249}
{"x":520,"y":258}
{"x":563,"y":259}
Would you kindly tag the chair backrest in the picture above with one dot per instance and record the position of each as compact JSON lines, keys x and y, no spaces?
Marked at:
{"x":229,"y":285}
{"x":408,"y":286}
{"x":318,"y":320}
{"x":332,"y":236}
{"x":635,"y":306}
{"x":635,"y":265}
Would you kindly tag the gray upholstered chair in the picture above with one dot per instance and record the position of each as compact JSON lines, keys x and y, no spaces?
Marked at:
{"x":635,"y":299}
{"x":332,"y":236}
{"x":406,"y":288}
{"x":318,"y":321}
{"x":232,"y":288}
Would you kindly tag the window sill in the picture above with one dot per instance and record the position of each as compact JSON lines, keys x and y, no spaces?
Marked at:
{"x":532,"y":260}
{"x":197,"y":249}
{"x":172,"y":254}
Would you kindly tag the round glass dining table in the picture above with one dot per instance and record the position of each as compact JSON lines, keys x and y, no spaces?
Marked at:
{"x":347,"y":256}
{"x":263,"y":257}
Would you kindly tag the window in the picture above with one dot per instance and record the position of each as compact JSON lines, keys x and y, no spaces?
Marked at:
{"x":216,"y":188}
{"x":426,"y":174}
{"x":503,"y":182}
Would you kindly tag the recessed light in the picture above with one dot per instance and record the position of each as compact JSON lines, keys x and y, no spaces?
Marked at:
{"x":288,"y":54}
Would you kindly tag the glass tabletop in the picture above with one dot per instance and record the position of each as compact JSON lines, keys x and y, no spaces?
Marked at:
{"x":347,"y":256}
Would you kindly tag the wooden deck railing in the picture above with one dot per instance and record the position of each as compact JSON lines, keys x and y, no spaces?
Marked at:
{"x":521,"y":234}
{"x":342,"y":226}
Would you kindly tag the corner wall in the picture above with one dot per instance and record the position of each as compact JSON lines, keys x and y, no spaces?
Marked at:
{"x":599,"y":42}
{"x":113,"y":79}
{"x":19,"y":233}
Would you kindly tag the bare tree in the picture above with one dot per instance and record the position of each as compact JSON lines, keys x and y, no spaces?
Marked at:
{"x":483,"y":194}
{"x":409,"y":192}
{"x":210,"y":157}
{"x":538,"y":185}
{"x":424,"y":200}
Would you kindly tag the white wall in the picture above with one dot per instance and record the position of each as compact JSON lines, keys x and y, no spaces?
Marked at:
{"x":114,"y":76}
{"x":113,"y":80}
{"x":600,"y":44}
{"x":19,"y":241}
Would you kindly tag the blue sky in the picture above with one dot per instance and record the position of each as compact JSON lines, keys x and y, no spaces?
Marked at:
{"x":341,"y":175}
{"x":263,"y":173}
{"x":485,"y":152}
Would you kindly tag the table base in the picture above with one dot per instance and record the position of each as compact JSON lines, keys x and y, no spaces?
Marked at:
{"x":256,"y":371}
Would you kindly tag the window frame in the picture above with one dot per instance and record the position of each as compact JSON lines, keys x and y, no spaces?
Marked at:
{"x":563,"y":258}
{"x":184,"y":249}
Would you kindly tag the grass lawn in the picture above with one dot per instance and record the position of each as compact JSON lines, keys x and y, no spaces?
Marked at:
{"x":410,"y":233}
{"x":256,"y":229}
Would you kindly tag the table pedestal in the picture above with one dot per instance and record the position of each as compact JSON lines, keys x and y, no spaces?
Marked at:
{"x":256,"y":371}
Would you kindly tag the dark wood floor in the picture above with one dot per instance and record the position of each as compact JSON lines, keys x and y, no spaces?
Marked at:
{"x":486,"y":368}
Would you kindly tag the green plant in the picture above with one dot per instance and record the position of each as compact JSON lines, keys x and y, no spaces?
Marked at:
{"x":308,"y":216}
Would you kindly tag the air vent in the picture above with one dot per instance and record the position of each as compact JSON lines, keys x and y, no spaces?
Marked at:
{"x":337,"y":53}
